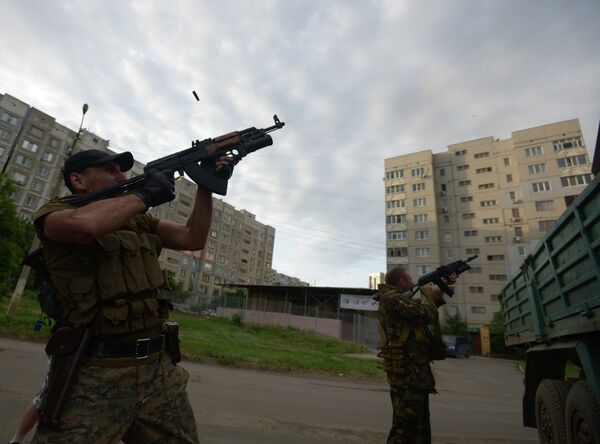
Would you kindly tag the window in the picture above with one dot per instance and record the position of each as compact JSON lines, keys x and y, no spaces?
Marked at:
{"x":497,"y":277}
{"x":533,"y":151}
{"x":399,"y":203}
{"x":36,"y":132}
{"x":420,"y":202}
{"x":483,"y":170}
{"x":420,"y":218}
{"x":4,"y":135}
{"x":442,"y":172}
{"x":394,"y":189}
{"x":23,"y":161}
{"x":545,"y":225}
{"x":470,"y":233}
{"x":450,"y":253}
{"x":521,"y":251}
{"x":446,"y":219}
{"x":468,"y":215}
{"x":494,"y":297}
{"x":506,"y":161}
{"x":38,"y":186}
{"x":422,"y":270}
{"x":491,"y":220}
{"x":466,"y":199}
{"x":495,"y":257}
{"x":447,"y":236}
{"x":572,"y":161}
{"x":474,"y":270}
{"x":9,"y":118}
{"x":31,"y":201}
{"x":544,"y":205}
{"x":397,"y":174}
{"x":485,"y":186}
{"x":460,"y":152}
{"x":30,"y":146}
{"x":418,"y":186}
{"x":396,"y":219}
{"x":54,"y":142}
{"x":509,"y":177}
{"x":421,"y":234}
{"x":19,"y":178}
{"x":478,"y":309}
{"x":519,"y":231}
{"x":568,"y":143}
{"x":488,"y":203}
{"x":423,"y":252}
{"x":398,"y":252}
{"x":462,"y":167}
{"x":464,"y":183}
{"x":417,"y":172}
{"x":48,"y":156}
{"x":536,"y":168}
{"x":481,"y":155}
{"x":541,"y":186}
{"x":493,"y":239}
{"x":512,"y":195}
{"x":397,"y":235}
{"x":476,"y":290}
{"x":577,"y":180}
{"x":472,"y":251}
{"x":569,"y":200}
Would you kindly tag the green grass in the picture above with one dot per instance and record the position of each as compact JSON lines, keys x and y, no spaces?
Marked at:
{"x":220,"y":341}
{"x":571,"y":370}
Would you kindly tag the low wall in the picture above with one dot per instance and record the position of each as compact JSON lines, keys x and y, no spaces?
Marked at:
{"x":329,"y":327}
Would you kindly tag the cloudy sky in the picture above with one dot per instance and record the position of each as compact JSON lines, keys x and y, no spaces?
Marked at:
{"x":355,"y":82}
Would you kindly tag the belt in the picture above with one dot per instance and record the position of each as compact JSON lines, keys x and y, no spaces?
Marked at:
{"x":139,"y":349}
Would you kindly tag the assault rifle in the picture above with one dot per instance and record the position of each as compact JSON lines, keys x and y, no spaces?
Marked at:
{"x":198,"y":162}
{"x":457,"y":267}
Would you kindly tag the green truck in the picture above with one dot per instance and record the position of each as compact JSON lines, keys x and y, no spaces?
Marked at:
{"x":552,"y":309}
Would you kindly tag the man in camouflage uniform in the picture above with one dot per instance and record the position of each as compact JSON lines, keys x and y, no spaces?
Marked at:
{"x":405,"y":349}
{"x":103,"y":261}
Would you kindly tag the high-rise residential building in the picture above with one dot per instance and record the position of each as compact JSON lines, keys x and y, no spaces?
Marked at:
{"x":33,"y":148}
{"x":487,"y":197}
{"x":376,"y":279}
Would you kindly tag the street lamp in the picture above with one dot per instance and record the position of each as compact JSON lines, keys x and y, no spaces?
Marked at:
{"x":18,"y":291}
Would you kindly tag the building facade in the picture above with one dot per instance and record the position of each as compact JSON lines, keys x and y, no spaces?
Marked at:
{"x":487,"y":197}
{"x":376,"y":279}
{"x":33,"y":148}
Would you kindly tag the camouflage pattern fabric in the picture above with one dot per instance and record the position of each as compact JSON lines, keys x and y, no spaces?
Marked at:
{"x":410,"y":423}
{"x":138,"y":404}
{"x":405,"y":347}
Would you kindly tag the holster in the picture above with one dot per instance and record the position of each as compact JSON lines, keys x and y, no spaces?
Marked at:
{"x":67,"y":348}
{"x":172,"y":338}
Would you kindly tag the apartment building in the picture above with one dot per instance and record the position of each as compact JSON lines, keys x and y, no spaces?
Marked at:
{"x":376,"y":279}
{"x":490,"y":197}
{"x":283,"y":280}
{"x":33,"y":148}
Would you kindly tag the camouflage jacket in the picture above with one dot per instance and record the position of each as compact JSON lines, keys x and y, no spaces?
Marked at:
{"x":405,"y":347}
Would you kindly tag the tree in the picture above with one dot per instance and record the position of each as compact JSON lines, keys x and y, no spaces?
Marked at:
{"x":15,"y":239}
{"x":497,"y":333}
{"x":455,"y":325}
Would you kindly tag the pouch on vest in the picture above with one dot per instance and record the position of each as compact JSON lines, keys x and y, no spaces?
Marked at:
{"x":64,"y":341}
{"x":82,"y":300}
{"x":110,"y":277}
{"x":113,"y":320}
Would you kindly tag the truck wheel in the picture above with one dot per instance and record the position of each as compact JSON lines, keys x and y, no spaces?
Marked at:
{"x":550,"y":399}
{"x":582,"y":415}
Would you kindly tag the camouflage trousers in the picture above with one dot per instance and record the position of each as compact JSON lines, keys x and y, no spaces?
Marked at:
{"x":137,"y":404}
{"x":410,"y":423}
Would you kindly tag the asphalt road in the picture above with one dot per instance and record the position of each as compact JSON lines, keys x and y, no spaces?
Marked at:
{"x":479,"y":402}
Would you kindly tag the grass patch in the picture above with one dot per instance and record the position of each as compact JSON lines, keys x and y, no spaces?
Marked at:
{"x":220,"y":340}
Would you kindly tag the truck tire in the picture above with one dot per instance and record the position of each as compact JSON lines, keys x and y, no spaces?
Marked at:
{"x":582,"y":415}
{"x":550,"y":400}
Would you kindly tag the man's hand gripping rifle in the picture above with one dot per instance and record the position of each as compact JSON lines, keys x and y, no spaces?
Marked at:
{"x":437,"y":277}
{"x":198,"y":162}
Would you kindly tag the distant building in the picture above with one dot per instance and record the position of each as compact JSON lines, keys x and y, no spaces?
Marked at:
{"x":488,"y":197}
{"x":376,"y":279}
{"x":287,"y":281}
{"x":33,"y":148}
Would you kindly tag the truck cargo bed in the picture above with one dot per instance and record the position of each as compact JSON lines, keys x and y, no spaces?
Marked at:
{"x":557,"y":291}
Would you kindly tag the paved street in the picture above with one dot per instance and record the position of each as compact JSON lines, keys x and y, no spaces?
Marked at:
{"x":479,"y":402}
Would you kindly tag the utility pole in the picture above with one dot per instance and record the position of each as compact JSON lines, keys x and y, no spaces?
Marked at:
{"x":18,"y":291}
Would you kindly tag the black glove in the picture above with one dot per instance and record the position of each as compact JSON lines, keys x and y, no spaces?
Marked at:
{"x":158,"y":188}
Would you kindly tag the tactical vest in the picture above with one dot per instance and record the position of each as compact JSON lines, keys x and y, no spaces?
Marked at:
{"x":111,"y":284}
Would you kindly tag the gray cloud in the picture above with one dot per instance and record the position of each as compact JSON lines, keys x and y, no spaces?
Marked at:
{"x":355,"y":81}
